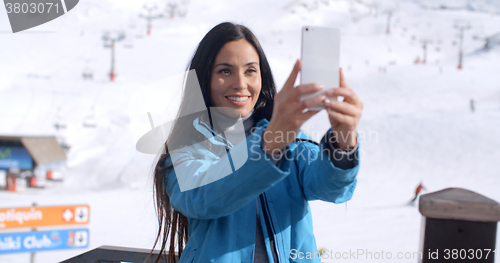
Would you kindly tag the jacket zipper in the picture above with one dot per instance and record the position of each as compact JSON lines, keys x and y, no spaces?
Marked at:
{"x":262,"y":198}
{"x":269,"y":222}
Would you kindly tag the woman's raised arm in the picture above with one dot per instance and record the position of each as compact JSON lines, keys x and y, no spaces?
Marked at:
{"x":225,"y":195}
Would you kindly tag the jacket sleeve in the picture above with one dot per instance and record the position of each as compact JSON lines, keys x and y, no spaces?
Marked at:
{"x":320,"y":178}
{"x":227,"y":194}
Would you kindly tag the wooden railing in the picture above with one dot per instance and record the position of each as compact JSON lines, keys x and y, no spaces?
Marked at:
{"x":111,"y":254}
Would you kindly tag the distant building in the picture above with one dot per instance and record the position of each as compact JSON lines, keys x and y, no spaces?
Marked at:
{"x":29,"y":157}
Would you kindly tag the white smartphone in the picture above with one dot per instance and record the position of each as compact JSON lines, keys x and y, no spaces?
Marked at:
{"x":320,"y":59}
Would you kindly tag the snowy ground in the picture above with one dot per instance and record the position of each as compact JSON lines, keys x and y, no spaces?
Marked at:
{"x":417,"y":121}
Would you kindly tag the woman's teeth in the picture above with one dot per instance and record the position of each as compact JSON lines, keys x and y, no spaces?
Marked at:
{"x":238,"y":98}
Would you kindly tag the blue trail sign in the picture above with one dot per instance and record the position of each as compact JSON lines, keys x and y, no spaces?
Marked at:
{"x":43,"y":241}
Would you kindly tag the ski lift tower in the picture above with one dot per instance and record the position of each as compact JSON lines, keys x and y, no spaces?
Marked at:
{"x":461,"y":26}
{"x":389,"y":17}
{"x":109,"y":38}
{"x":425,"y":42}
{"x":172,"y":9}
{"x":177,"y":7}
{"x":150,"y":17}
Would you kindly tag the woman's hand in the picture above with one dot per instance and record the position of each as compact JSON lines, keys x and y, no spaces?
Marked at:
{"x":344,"y":116}
{"x":288,"y":114}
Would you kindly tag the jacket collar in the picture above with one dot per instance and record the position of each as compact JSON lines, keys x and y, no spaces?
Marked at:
{"x":201,"y":124}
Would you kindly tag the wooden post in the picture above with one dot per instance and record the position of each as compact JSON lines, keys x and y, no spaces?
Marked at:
{"x":32,"y":254}
{"x":458,"y":225}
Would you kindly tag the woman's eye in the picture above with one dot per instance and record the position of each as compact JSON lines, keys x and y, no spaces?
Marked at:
{"x":226,"y":71}
{"x":252,"y":70}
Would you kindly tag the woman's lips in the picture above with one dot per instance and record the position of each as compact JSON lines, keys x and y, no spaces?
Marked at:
{"x":238,"y":102}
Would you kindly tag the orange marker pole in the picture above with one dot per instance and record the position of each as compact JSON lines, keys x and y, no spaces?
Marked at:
{"x":49,"y":175}
{"x":11,"y":183}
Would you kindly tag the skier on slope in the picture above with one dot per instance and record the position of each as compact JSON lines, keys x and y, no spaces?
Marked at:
{"x":419,"y":189}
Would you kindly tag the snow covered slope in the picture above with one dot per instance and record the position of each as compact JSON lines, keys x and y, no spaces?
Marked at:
{"x":417,"y":125}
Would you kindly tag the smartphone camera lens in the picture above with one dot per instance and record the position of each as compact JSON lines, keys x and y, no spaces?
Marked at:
{"x":307,"y":29}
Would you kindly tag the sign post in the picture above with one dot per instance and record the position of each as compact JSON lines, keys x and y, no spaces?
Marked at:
{"x":32,"y":254}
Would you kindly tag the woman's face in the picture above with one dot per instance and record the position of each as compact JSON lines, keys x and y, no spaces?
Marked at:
{"x":236,"y":79}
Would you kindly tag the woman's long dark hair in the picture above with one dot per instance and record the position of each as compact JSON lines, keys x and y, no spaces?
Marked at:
{"x":172,"y":224}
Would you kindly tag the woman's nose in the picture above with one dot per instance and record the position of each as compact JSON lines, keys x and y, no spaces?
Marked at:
{"x":240,"y":82}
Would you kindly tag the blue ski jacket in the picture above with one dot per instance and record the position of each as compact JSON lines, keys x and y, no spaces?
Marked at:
{"x":222,"y":214}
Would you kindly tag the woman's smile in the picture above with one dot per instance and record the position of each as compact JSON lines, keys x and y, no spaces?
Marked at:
{"x":238,"y":100}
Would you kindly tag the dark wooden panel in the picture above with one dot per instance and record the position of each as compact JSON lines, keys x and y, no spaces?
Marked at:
{"x":469,"y":239}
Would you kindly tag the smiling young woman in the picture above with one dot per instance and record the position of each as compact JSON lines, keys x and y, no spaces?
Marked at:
{"x":236,"y":80}
{"x":259,"y":212}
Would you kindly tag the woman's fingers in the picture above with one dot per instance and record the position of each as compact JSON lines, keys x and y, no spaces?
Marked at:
{"x":307,"y":115}
{"x":310,"y":102}
{"x":291,"y":109}
{"x":349,"y":95}
{"x":342,"y":118}
{"x":305,"y":89}
{"x":343,"y":108}
{"x":342,"y":83}
{"x":293,"y":76}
